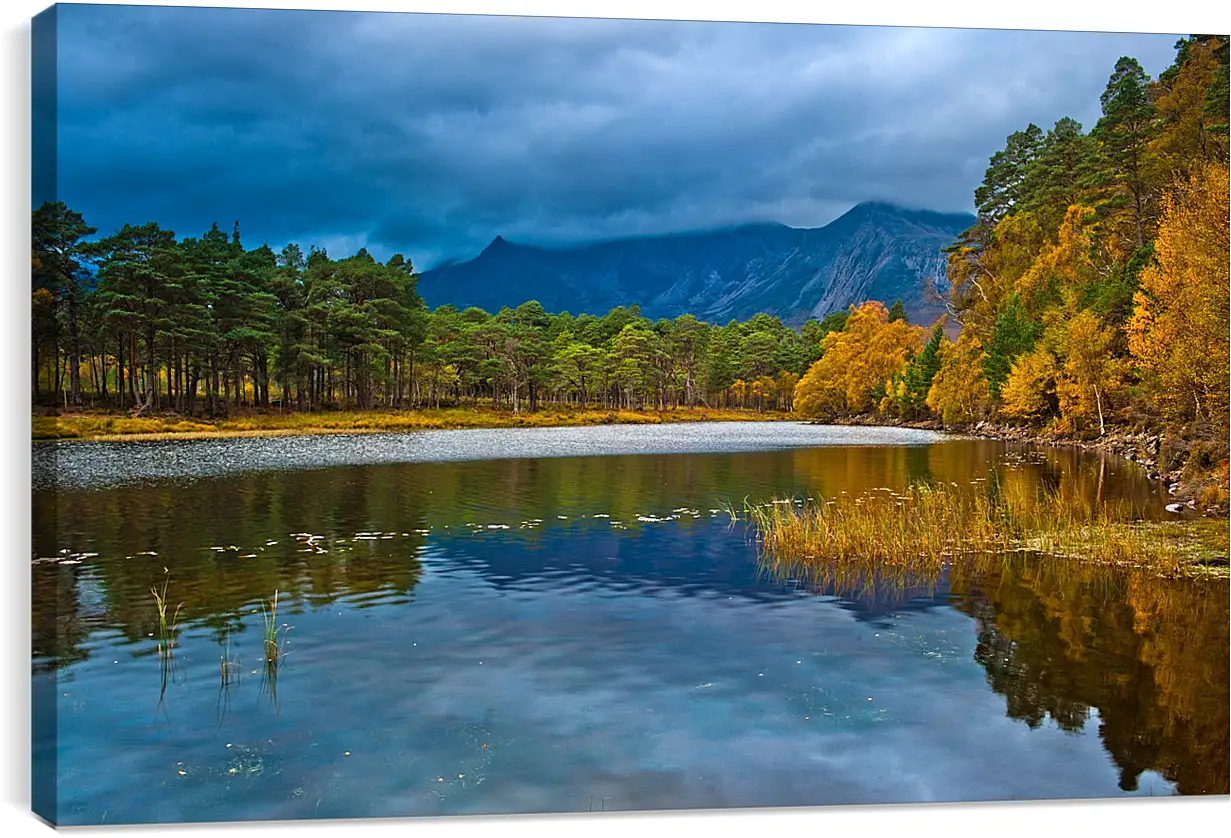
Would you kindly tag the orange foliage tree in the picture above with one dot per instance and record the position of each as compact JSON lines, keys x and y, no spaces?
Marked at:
{"x":856,"y":362}
{"x":959,"y":392}
{"x":1178,"y":333}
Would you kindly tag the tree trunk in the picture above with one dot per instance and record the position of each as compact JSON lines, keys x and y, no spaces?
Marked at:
{"x":74,"y":347}
{"x":151,"y":371}
{"x":190,"y":392}
{"x":56,"y":377}
{"x":119,"y":372}
{"x":132,"y":368}
{"x":102,"y":363}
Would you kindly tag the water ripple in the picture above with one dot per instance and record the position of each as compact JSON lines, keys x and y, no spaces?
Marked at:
{"x":103,"y":464}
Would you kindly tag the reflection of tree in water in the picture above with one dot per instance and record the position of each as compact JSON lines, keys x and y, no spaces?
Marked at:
{"x":1029,"y":699}
{"x":58,"y":626}
{"x":1150,"y":655}
{"x":180,"y":526}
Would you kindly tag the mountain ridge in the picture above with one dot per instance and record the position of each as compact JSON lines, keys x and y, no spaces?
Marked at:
{"x":875,"y":250}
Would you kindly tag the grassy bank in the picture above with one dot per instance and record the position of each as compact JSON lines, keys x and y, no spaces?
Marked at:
{"x":916,"y":532}
{"x":113,"y":427}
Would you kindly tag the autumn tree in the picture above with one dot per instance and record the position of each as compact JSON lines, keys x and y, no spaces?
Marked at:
{"x":910,"y":391}
{"x":855,"y":362}
{"x":959,"y":392}
{"x":1178,"y":333}
{"x":1029,"y":390}
{"x":1191,"y":103}
{"x":1091,"y":375}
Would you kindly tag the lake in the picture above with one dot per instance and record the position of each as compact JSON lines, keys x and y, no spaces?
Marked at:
{"x":567,"y":620}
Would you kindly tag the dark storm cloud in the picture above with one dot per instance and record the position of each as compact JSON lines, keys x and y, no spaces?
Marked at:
{"x":430,"y":134}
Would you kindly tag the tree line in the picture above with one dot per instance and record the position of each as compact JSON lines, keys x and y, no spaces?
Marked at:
{"x":1093,"y":287}
{"x":145,"y":321}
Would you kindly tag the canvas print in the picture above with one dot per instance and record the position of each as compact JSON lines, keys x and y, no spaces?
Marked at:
{"x":449,"y":415}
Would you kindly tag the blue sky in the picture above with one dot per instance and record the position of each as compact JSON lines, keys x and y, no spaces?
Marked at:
{"x":430,"y":134}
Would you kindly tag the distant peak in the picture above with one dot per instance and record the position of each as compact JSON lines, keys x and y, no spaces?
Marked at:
{"x":875,"y":206}
{"x":866,"y":209}
{"x":498,"y":243}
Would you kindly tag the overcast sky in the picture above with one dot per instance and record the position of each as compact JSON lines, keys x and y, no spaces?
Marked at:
{"x":430,"y":134}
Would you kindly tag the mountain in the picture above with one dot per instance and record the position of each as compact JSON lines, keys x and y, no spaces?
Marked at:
{"x":874,"y":251}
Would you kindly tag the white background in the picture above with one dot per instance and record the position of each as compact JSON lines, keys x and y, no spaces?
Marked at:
{"x":1162,"y":818}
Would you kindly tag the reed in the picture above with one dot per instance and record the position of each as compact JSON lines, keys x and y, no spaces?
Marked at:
{"x":228,"y":664}
{"x":273,"y":635}
{"x":916,"y":532}
{"x":168,"y":627}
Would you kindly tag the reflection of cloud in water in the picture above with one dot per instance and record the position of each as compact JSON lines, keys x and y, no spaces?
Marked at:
{"x":580,"y":704}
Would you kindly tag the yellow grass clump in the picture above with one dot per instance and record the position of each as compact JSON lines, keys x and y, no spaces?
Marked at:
{"x":913,"y":534}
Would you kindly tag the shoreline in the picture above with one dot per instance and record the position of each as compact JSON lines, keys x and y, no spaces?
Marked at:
{"x":1138,"y":447}
{"x":97,"y":427}
{"x":1141,"y":448}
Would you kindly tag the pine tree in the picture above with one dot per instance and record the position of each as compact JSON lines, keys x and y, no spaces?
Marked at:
{"x":60,"y":251}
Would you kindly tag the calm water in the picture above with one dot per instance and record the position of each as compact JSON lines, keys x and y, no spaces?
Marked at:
{"x":485,"y":622}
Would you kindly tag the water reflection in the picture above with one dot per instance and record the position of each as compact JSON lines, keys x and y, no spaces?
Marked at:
{"x":1148,"y":654}
{"x":1064,"y":642}
{"x":438,"y":603}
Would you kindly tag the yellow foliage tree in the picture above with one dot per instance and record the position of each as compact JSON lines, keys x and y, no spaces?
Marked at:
{"x":959,"y":392}
{"x":983,"y":280}
{"x":1091,"y":374}
{"x":1025,"y":395}
{"x":762,"y":390}
{"x":739,"y":391}
{"x":856,"y":362}
{"x":1178,"y":333}
{"x":785,"y":388}
{"x":1065,"y":266}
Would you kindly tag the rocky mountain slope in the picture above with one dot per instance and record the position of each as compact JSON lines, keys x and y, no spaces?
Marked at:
{"x":874,"y":251}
